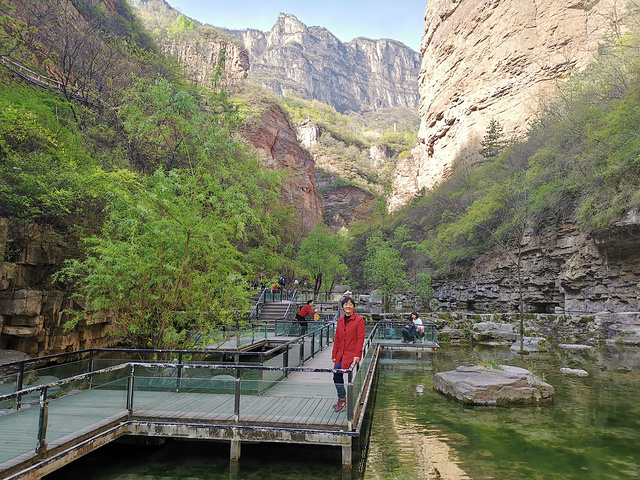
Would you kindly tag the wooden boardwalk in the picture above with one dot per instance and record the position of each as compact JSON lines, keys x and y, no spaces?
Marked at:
{"x":210,"y":404}
{"x":301,"y":402}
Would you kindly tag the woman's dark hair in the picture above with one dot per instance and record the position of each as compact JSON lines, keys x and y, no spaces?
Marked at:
{"x":309,"y":302}
{"x":347,"y":299}
{"x":413,"y":313}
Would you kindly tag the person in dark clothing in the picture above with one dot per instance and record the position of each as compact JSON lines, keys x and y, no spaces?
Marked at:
{"x":301,"y":316}
{"x":347,"y":347}
{"x":409,"y":331}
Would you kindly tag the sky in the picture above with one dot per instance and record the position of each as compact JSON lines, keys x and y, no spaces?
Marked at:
{"x":401,"y":20}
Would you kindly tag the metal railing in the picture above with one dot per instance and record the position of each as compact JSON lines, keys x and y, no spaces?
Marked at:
{"x":255,"y":313}
{"x":393,"y":331}
{"x":31,"y":372}
{"x":132,"y":378}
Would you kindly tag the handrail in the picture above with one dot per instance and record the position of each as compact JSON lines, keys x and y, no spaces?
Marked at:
{"x":43,"y":80}
{"x":21,"y":365}
{"x":288,"y":313}
{"x":255,"y":313}
{"x":359,"y":384}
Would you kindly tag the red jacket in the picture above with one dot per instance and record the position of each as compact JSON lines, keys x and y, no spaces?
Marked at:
{"x":306,"y":311}
{"x":348,"y":341}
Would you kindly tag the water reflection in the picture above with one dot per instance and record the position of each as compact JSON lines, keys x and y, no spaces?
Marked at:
{"x":591,"y":431}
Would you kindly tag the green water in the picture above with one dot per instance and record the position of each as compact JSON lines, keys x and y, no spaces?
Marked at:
{"x":591,"y":431}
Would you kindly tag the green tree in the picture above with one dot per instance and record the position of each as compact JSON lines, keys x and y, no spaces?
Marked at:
{"x":493,"y":142}
{"x":383,"y":267}
{"x":423,"y":287}
{"x":169,"y":261}
{"x":320,"y":254}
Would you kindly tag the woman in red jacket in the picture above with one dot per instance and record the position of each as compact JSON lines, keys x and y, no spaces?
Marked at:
{"x":302,"y":315}
{"x":347,"y":347}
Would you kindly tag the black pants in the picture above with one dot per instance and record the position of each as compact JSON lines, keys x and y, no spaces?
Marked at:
{"x":303,"y":324}
{"x":407,"y":336}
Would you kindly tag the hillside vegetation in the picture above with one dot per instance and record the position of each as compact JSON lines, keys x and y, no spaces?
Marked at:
{"x":343,"y":150}
{"x":164,"y":214}
{"x":579,"y":162}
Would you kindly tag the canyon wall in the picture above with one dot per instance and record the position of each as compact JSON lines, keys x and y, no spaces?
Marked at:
{"x":277,"y":141}
{"x":500,"y":60}
{"x":199,"y":49}
{"x":314,"y":64}
{"x":32,"y":310}
{"x":565,"y":270}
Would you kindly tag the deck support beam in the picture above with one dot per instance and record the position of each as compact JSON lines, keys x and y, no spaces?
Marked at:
{"x":347,"y":456}
{"x":235,"y":451}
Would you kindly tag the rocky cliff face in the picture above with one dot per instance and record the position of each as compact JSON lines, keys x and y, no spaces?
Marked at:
{"x":31,"y":310}
{"x":494,"y":60}
{"x":312,"y":62}
{"x":565,"y":270}
{"x":199,"y":49}
{"x":279,"y":145}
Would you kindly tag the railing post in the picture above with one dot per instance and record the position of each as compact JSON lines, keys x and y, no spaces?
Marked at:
{"x":260,"y":374}
{"x":313,"y":344}
{"x":301,"y":361}
{"x":321,"y":340}
{"x":236,"y":407}
{"x":43,"y":422}
{"x":19,"y":383}
{"x":350,"y":400}
{"x":179,"y":379}
{"x":90,"y":369}
{"x":285,"y":360}
{"x":130,"y":389}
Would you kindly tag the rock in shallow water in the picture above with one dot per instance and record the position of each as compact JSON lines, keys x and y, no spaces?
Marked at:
{"x":574,"y":371}
{"x":505,"y":385}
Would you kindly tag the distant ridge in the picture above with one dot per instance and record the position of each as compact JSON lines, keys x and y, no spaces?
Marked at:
{"x":312,"y":63}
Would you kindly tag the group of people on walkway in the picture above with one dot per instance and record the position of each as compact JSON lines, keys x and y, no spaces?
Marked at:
{"x":413,"y":330}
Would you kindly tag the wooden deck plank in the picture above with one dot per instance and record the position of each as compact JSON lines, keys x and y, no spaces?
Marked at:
{"x":293,"y":408}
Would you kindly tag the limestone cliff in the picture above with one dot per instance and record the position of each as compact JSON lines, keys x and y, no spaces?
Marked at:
{"x":32,"y":311}
{"x":313,"y":63}
{"x":343,"y":205}
{"x":198,"y":47}
{"x":279,"y":145}
{"x":500,"y":60}
{"x":564,"y":270}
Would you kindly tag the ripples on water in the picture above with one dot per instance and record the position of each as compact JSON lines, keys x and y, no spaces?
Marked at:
{"x":591,"y":431}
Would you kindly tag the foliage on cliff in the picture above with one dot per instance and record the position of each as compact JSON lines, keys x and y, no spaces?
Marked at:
{"x":579,"y":161}
{"x":343,"y":149}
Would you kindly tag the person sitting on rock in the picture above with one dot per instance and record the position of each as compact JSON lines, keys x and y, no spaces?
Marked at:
{"x":409,"y":331}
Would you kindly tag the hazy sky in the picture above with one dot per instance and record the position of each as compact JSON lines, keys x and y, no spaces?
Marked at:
{"x":401,"y":20}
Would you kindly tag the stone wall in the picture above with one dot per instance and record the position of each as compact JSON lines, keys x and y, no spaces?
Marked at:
{"x":31,"y":308}
{"x":565,"y":271}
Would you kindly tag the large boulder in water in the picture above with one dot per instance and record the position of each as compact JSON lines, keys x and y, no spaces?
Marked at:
{"x":504,"y":385}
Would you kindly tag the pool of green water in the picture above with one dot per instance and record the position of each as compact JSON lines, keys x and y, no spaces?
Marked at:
{"x":591,"y":431}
